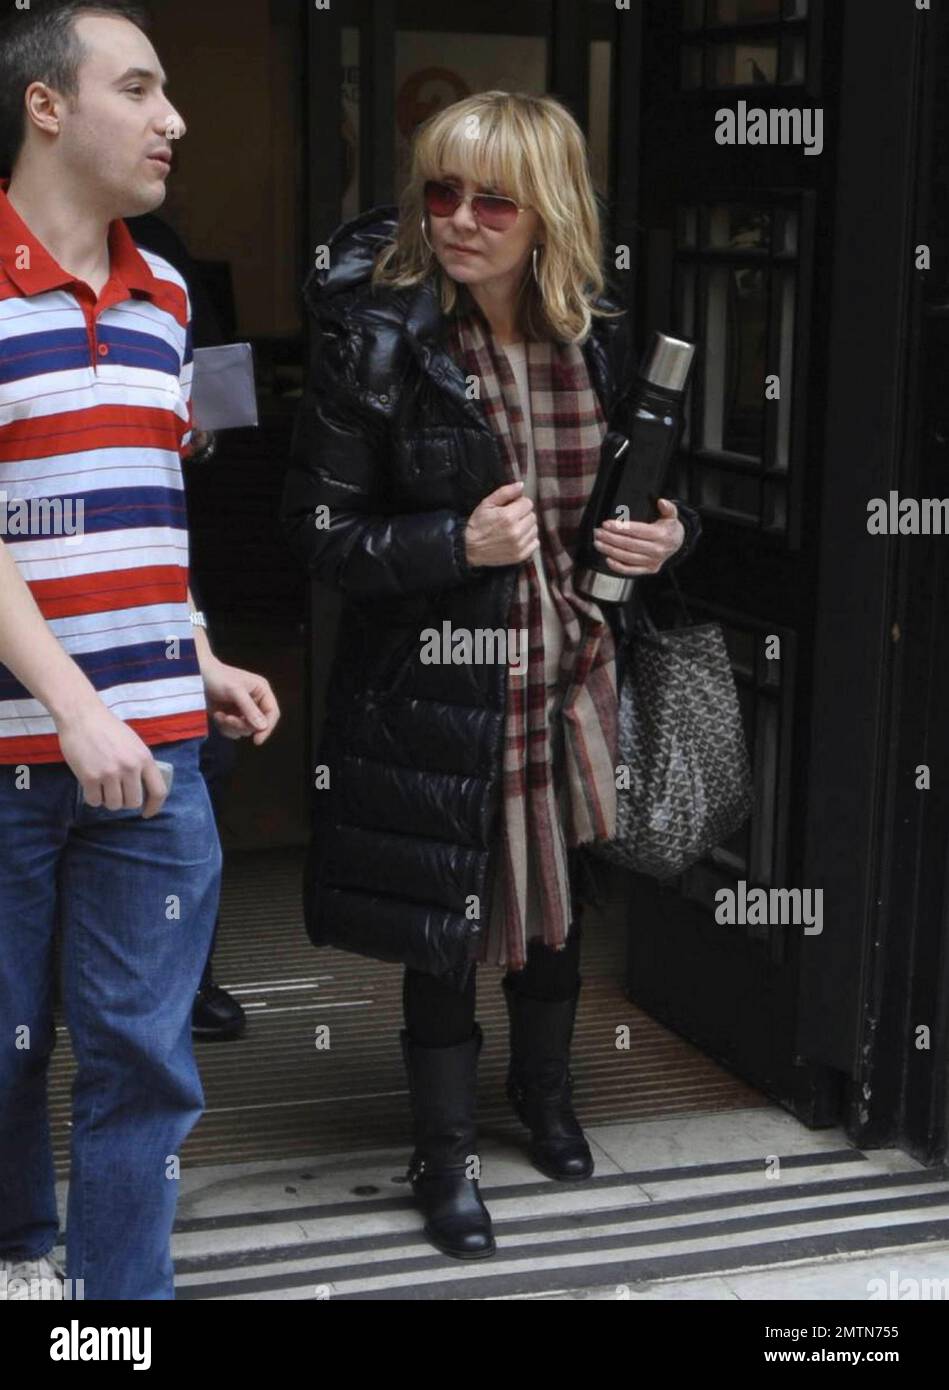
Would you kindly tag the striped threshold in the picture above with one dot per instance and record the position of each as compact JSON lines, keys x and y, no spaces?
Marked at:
{"x":272,"y":1094}
{"x":621,"y":1229}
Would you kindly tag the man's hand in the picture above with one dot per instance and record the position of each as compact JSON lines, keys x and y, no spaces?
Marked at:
{"x":201,"y":448}
{"x":641,"y":547}
{"x":241,"y":704}
{"x":110,"y":761}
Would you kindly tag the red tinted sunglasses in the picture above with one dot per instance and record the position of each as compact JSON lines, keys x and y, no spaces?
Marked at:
{"x":490,"y":209}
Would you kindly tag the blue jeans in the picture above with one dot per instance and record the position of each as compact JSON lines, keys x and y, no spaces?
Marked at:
{"x":135,"y":901}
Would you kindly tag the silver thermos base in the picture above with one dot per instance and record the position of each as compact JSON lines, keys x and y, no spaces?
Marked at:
{"x":606,"y":588}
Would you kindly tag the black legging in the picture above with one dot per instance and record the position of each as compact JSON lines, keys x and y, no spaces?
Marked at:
{"x":438,"y":1015}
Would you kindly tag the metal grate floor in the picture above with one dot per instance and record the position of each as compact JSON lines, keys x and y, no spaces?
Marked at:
{"x":273,"y":1094}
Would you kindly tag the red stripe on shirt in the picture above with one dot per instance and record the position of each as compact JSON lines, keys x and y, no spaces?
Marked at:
{"x":45,"y":748}
{"x":111,"y":590}
{"x":82,"y":431}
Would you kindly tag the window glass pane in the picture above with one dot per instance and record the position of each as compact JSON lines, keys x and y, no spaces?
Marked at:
{"x":350,"y":118}
{"x":743,"y":11}
{"x":735,"y":359}
{"x":738,"y":227}
{"x":599,"y":115}
{"x":738,"y":494}
{"x":793,"y":60}
{"x":687,"y":300}
{"x":746,"y":64}
{"x":686,"y":223}
{"x":786,"y":231}
{"x":743,"y":315}
{"x":434,"y":68}
{"x":687,"y":409}
{"x":786,"y":304}
{"x":774,"y":514}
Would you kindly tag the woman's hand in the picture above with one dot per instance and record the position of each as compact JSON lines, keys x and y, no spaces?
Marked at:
{"x":641,"y":547}
{"x":502,"y":529}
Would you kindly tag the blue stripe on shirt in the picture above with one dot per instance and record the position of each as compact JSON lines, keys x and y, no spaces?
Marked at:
{"x":36,"y":354}
{"x":149,"y":661}
{"x":107,"y":509}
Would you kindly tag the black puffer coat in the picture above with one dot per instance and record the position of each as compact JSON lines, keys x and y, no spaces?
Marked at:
{"x":405,"y":836}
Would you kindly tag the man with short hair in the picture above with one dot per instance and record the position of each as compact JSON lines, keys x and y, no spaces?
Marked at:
{"x":105,"y":682}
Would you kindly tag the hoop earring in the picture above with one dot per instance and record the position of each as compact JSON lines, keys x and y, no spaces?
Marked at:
{"x":534,"y":262}
{"x":424,"y":237}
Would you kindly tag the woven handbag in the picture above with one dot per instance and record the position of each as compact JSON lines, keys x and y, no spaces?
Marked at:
{"x":682,"y":741}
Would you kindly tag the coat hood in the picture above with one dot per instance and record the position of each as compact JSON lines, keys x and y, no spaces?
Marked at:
{"x":353,"y":248}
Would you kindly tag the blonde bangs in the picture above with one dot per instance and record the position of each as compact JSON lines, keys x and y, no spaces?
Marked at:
{"x":531,"y":149}
{"x":492,"y":161}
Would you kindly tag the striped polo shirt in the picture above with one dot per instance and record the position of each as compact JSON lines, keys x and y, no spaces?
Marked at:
{"x":94,"y":412}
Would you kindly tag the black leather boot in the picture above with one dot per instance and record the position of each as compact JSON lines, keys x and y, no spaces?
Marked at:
{"x":539,"y":1084}
{"x":442,"y":1090}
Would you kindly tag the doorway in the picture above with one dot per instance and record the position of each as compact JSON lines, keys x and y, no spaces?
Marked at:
{"x":768,"y":256}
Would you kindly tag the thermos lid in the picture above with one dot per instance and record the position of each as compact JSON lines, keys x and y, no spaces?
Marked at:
{"x":667,"y":362}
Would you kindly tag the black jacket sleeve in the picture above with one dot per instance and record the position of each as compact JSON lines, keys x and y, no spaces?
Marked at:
{"x":332,"y":505}
{"x":692,"y":525}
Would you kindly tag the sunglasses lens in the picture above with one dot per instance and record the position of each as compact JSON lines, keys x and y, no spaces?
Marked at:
{"x":441,"y":199}
{"x":496,"y":213}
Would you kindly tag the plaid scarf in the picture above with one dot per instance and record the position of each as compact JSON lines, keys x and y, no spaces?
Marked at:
{"x":568,"y":428}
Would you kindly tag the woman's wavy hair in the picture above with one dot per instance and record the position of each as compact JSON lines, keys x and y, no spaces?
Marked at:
{"x":532,"y":149}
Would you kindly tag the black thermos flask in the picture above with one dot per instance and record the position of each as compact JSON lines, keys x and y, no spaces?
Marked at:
{"x":632,"y":471}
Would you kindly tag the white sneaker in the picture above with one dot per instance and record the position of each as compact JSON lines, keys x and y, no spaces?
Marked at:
{"x":39,"y":1280}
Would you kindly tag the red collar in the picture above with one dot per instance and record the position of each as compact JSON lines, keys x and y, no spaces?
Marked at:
{"x":39,"y":272}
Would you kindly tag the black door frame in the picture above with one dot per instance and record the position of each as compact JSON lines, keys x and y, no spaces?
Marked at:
{"x":921,"y":842}
{"x":876,"y":844}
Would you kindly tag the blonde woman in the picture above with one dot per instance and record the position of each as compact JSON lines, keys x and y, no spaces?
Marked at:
{"x":468,"y":366}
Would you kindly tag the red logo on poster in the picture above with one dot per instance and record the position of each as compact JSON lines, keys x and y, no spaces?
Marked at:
{"x":425,"y":92}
